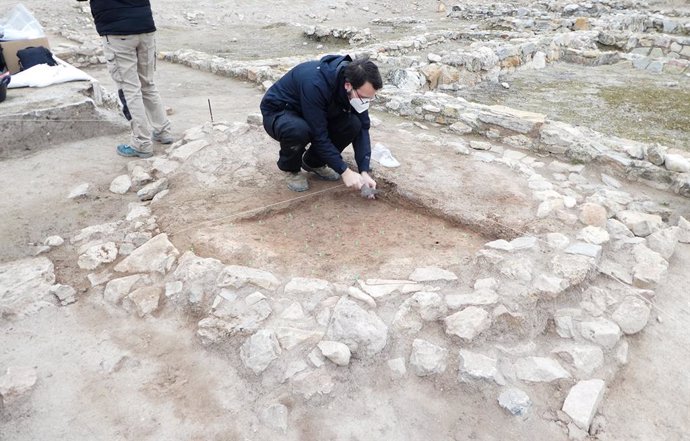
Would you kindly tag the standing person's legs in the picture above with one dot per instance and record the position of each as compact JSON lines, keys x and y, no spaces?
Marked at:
{"x":121,"y":55}
{"x":146,"y":67}
{"x":341,"y":131}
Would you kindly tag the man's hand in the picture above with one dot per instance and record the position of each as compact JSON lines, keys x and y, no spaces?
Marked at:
{"x":352,"y":179}
{"x":368,"y":182}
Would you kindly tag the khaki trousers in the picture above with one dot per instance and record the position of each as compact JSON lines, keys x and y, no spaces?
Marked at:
{"x":131,"y":62}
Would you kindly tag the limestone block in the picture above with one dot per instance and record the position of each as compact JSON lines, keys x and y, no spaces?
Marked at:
{"x":632,"y":315}
{"x":515,"y":401}
{"x":468,"y":323}
{"x":238,"y":276}
{"x":431,"y":274}
{"x":641,"y":224}
{"x":427,"y":358}
{"x":476,"y":366}
{"x":363,"y":332}
{"x":156,"y":255}
{"x":664,"y":241}
{"x":601,"y":331}
{"x":583,"y":400}
{"x":335,"y":351}
{"x":259,"y":350}
{"x":539,"y":369}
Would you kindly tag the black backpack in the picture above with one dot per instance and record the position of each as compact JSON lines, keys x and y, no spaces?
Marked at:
{"x":3,"y":65}
{"x":31,"y":56}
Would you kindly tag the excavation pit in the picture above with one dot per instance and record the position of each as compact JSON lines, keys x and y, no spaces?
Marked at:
{"x":339,"y":235}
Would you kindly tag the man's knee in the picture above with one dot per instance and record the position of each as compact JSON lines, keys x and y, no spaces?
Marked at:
{"x":292,"y":131}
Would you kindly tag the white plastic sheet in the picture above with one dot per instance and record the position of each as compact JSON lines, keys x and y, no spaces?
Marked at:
{"x":20,"y":24}
{"x":43,"y":75}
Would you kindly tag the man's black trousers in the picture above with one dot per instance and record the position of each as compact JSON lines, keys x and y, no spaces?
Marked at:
{"x":294,"y":134}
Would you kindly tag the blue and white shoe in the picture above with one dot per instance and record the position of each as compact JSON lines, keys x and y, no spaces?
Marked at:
{"x":129,"y":152}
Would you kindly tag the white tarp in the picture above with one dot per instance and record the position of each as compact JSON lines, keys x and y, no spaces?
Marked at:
{"x":43,"y":75}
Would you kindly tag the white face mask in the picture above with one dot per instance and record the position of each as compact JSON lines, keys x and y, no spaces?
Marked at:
{"x":359,"y":104}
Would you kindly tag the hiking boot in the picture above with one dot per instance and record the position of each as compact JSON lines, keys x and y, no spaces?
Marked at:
{"x":163,"y":137}
{"x":326,"y":173}
{"x":130,"y":152}
{"x":297,"y":181}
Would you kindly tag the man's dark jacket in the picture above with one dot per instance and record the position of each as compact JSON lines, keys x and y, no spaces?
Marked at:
{"x":313,"y":89}
{"x":122,"y":17}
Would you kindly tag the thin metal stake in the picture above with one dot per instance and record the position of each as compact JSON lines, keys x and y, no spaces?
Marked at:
{"x":210,"y":111}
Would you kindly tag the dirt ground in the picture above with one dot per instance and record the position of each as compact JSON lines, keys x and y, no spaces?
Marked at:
{"x":106,"y":375}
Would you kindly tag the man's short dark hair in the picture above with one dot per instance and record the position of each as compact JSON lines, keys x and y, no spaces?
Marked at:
{"x":361,"y":70}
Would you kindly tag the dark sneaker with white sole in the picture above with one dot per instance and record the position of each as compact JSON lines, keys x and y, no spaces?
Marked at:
{"x":326,"y":173}
{"x":297,"y":181}
{"x":129,"y":152}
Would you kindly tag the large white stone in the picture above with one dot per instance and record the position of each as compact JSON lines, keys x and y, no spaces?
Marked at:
{"x":335,"y":351}
{"x":549,"y":285}
{"x":118,"y":289}
{"x":16,"y":382}
{"x":427,"y":358}
{"x":363,"y":332}
{"x":430,"y":305}
{"x":24,"y":285}
{"x":601,"y":331}
{"x":684,"y":230}
{"x":557,"y":240}
{"x":475,"y":366}
{"x":143,"y":300}
{"x":641,"y":224}
{"x":539,"y":369}
{"x":585,"y":358}
{"x":585,"y":249}
{"x":650,"y":268}
{"x":259,"y":350}
{"x":515,"y":401}
{"x":468,"y":323}
{"x":583,"y":400}
{"x":185,"y":151}
{"x":121,"y":184}
{"x":617,"y":229}
{"x":565,"y":320}
{"x":431,"y":274}
{"x":156,"y":255}
{"x":231,"y":315}
{"x":381,"y":288}
{"x":98,"y":254}
{"x":308,"y":291}
{"x":238,"y":276}
{"x":198,"y":276}
{"x":478,"y":297}
{"x":593,"y":235}
{"x":290,"y":337}
{"x":664,"y":241}
{"x":64,"y":293}
{"x":632,"y":315}
{"x":677,"y":163}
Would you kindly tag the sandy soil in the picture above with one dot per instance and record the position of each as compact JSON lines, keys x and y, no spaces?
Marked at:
{"x":105,"y":375}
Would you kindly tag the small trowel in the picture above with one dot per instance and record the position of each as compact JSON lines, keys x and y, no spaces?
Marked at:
{"x":368,"y":192}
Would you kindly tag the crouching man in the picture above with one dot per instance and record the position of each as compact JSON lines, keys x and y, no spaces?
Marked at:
{"x":316,"y":110}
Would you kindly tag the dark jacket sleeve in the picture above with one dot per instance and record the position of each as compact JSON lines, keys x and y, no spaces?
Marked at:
{"x":315,"y":110}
